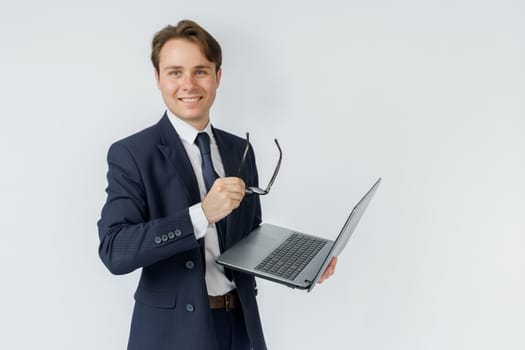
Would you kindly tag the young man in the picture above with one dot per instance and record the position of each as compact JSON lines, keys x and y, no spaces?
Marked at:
{"x":174,"y":203}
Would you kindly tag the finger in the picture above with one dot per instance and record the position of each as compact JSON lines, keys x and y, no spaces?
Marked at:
{"x":228,"y":186}
{"x":331,"y":267}
{"x":231,"y":181}
{"x":235,"y":193}
{"x":333,"y":263}
{"x":232,"y":201}
{"x":236,"y":197}
{"x":234,"y":188}
{"x":229,"y":193}
{"x":329,"y":271}
{"x":323,"y":277}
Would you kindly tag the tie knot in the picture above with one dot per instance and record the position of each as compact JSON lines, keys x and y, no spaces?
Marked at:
{"x":203,"y":142}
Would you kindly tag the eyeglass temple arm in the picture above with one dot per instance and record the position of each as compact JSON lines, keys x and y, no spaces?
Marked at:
{"x":276,"y":171}
{"x":243,"y":160}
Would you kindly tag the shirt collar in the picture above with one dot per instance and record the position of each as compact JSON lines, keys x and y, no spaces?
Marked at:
{"x":187,"y":132}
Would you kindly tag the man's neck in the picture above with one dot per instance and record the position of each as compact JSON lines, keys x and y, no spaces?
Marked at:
{"x":199,"y":125}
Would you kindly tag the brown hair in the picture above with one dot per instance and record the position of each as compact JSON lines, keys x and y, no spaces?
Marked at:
{"x":191,"y":31}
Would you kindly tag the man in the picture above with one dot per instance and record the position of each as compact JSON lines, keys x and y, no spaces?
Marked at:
{"x":174,"y":203}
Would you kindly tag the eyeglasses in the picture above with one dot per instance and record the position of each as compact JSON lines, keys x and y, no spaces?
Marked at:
{"x":257,"y":190}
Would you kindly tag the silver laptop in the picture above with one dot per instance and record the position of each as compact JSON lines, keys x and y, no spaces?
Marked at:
{"x":288,"y":257}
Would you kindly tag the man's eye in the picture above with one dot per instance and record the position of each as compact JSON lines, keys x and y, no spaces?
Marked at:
{"x":174,"y":73}
{"x":201,"y":72}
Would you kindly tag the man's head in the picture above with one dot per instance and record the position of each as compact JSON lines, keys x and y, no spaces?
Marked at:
{"x":187,"y":62}
{"x":192,"y":32}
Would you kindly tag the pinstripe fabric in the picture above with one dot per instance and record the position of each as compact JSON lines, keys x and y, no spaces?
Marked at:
{"x":145,"y":224}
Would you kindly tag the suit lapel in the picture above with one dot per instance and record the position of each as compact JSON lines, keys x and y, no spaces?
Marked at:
{"x":231,"y":158}
{"x":173,"y":149}
{"x":228,"y":153}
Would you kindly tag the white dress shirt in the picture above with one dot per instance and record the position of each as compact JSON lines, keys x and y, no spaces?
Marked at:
{"x":216,"y":281}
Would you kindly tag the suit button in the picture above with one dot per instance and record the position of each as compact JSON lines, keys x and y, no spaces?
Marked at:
{"x":190,"y":308}
{"x":171,"y":235}
{"x":190,"y":264}
{"x":178,"y":232}
{"x":158,"y":240}
{"x":164,"y":238}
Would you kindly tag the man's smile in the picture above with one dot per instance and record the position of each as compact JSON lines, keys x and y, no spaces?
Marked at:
{"x":190,"y":99}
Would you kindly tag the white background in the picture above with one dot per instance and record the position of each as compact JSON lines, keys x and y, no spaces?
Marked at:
{"x":429,"y":95}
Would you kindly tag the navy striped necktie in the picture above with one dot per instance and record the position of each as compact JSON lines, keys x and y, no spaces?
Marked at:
{"x":208,"y":173}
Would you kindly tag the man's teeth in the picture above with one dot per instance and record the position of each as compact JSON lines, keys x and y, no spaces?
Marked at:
{"x":193,"y":99}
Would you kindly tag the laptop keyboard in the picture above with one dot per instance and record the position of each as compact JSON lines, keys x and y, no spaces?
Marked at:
{"x":292,"y":256}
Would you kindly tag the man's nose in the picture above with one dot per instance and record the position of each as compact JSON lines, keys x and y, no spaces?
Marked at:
{"x":188,"y":82}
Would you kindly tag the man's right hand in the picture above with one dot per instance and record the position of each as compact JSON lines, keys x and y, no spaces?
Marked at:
{"x":224,"y":196}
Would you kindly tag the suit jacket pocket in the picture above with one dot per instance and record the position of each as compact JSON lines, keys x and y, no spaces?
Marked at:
{"x":165,"y":300}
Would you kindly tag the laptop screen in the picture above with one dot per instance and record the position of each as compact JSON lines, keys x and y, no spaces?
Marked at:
{"x":347,"y":230}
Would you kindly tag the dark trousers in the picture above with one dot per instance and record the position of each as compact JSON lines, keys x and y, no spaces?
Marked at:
{"x":230,"y":329}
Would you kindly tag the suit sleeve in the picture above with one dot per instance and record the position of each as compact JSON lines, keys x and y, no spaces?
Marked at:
{"x":128,"y":239}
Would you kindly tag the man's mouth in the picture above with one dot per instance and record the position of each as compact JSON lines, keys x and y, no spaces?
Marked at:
{"x":190,"y":99}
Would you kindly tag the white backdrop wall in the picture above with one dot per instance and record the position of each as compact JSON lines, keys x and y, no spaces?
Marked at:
{"x":427,"y":94}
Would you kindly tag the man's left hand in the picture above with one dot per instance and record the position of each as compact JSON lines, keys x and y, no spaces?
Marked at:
{"x":330,"y":269}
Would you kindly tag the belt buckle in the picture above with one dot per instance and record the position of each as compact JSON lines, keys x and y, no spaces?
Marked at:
{"x":228,"y":302}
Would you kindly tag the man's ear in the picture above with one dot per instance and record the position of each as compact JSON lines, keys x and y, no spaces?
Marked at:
{"x":219,"y":75}
{"x":157,"y":78}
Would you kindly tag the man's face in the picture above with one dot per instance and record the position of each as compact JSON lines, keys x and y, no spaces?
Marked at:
{"x":188,"y":81}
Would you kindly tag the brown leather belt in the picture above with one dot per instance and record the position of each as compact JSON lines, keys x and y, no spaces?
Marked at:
{"x":228,"y":301}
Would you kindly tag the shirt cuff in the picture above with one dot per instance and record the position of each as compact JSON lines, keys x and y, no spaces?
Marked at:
{"x":198,"y":220}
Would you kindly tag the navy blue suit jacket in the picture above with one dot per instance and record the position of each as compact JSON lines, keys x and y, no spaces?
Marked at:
{"x":145,"y":223}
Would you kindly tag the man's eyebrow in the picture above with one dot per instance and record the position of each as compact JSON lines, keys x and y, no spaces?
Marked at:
{"x":203,"y":66}
{"x":200,"y":66}
{"x":172,"y":67}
